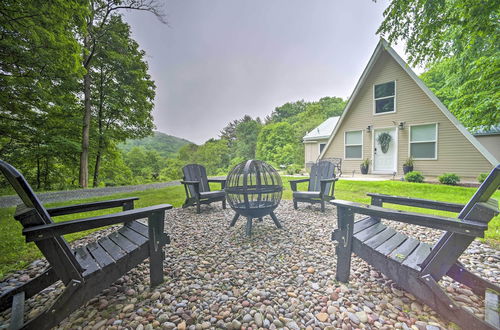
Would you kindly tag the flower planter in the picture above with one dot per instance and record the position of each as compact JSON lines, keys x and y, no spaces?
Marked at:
{"x":407,"y":169}
{"x":364,"y":169}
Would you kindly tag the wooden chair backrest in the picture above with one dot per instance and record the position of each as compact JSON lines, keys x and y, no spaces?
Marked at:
{"x":196,"y":172}
{"x":320,"y":171}
{"x":451,"y":245}
{"x":56,"y":250}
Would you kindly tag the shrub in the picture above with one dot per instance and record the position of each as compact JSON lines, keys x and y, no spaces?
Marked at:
{"x":481,"y":177}
{"x":449,"y":178}
{"x":414,"y":176}
{"x":293,"y":169}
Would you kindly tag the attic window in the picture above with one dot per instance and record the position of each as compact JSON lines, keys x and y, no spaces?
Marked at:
{"x":384,"y":96}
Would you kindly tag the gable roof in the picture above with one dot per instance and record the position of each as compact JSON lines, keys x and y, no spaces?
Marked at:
{"x":323,"y":131}
{"x":384,"y":46}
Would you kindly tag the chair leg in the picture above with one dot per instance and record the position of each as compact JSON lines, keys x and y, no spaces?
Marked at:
{"x":71,"y":298}
{"x":276,"y":221}
{"x":47,"y":278}
{"x":344,"y":237}
{"x":295,"y":206}
{"x":323,"y":206}
{"x":233,"y":222}
{"x":156,"y":227}
{"x":224,"y":204}
{"x":248,"y":229}
{"x":198,"y":207}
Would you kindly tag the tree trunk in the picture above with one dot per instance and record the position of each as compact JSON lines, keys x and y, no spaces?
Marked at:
{"x":100,"y":145}
{"x":97,"y":165}
{"x":84,"y":156}
{"x":38,"y":174}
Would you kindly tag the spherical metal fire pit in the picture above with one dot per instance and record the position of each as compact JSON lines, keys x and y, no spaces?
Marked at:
{"x":253,"y":190}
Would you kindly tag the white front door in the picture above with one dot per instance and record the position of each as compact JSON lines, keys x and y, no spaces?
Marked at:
{"x":384,"y":156}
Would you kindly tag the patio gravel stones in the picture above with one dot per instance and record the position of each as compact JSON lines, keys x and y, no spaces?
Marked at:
{"x":216,"y":277}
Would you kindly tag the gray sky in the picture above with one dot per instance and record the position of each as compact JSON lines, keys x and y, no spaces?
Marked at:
{"x":218,"y":60}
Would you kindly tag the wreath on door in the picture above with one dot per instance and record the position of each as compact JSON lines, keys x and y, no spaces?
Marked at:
{"x":384,"y":139}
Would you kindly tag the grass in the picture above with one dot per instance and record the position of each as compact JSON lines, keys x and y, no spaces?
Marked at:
{"x":16,"y":254}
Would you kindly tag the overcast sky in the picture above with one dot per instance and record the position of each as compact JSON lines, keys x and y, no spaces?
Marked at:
{"x":218,"y":60}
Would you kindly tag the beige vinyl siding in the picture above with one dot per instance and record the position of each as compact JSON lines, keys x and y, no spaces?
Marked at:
{"x":455,"y":153}
{"x":491,"y":143}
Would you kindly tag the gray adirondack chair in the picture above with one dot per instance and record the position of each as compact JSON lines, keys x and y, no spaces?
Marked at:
{"x":416,"y":266}
{"x":86,"y":270}
{"x":196,"y":185}
{"x":321,"y":185}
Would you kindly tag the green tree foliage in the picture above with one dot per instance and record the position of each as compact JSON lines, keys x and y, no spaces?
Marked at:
{"x":166,"y":145}
{"x":459,"y":42}
{"x":301,"y":117}
{"x":93,"y":38}
{"x":246,"y":134}
{"x":287,"y":111}
{"x":122,"y":93}
{"x":214,"y":155}
{"x":40,"y":67}
{"x":275,"y":143}
{"x":144,"y":164}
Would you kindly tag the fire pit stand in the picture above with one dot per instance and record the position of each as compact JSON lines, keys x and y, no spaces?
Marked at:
{"x":253,"y":190}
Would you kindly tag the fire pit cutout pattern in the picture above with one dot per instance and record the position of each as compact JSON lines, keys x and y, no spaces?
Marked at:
{"x":253,"y":190}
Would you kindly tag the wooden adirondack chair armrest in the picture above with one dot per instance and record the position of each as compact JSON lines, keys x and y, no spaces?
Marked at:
{"x":293,"y":183}
{"x":85,"y":207}
{"x":416,"y":202}
{"x":466,"y":227}
{"x":190,"y":182}
{"x":221,"y":181}
{"x":41,"y":232}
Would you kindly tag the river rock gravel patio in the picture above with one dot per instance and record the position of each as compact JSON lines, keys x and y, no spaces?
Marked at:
{"x":216,"y":277}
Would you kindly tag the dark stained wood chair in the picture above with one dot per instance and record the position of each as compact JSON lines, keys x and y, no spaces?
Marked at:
{"x":196,"y":185}
{"x":321,"y":185}
{"x":86,"y":270}
{"x":416,"y":266}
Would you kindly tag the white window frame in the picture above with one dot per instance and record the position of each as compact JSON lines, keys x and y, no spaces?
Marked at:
{"x":427,"y":141}
{"x":352,"y":145}
{"x":319,"y":147}
{"x":375,"y":113}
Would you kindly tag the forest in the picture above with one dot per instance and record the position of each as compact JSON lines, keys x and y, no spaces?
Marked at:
{"x":74,"y":87}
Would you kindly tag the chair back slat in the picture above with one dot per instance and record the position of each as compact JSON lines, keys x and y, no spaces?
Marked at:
{"x":451,"y":245}
{"x":320,"y":171}
{"x":56,"y":250}
{"x":484,"y":192}
{"x":196,"y":172}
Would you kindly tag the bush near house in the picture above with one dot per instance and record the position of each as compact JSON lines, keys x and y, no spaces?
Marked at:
{"x":481,"y":177}
{"x":449,"y":178}
{"x":414,"y":176}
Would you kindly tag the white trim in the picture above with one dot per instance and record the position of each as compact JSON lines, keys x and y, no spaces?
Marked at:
{"x":352,"y":145}
{"x":435,"y":141}
{"x":383,"y":45}
{"x":396,"y":150}
{"x":375,"y":113}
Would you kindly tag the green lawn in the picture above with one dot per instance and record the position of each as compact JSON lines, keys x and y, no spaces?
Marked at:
{"x":16,"y":254}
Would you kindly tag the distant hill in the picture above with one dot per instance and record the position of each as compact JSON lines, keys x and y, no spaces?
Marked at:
{"x":165,"y":144}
